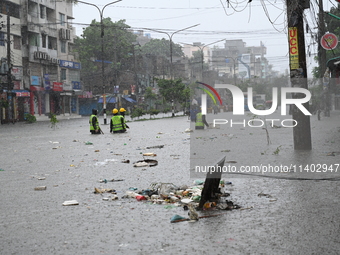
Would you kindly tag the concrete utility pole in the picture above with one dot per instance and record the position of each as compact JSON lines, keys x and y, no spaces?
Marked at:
{"x":298,"y":71}
{"x":321,"y":50}
{"x":9,"y":73}
{"x":202,"y":53}
{"x":171,"y":69}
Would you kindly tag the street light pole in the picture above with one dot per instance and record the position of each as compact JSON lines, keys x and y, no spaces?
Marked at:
{"x":102,"y":49}
{"x":170,"y":39}
{"x":202,"y":52}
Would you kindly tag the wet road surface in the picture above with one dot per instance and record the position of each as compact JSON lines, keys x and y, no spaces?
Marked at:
{"x":296,"y":216}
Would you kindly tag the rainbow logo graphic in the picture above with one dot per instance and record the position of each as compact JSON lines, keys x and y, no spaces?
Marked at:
{"x":209,"y":93}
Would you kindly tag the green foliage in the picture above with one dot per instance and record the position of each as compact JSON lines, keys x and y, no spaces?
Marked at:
{"x":333,"y":26}
{"x":30,"y":118}
{"x":137,"y":112}
{"x":53,"y":120}
{"x":277,"y":151}
{"x":166,"y":110}
{"x":4,"y":103}
{"x":196,"y":62}
{"x":153,"y":112}
{"x":174,"y":90}
{"x":149,"y":95}
{"x":118,"y":46}
{"x":161,"y":47}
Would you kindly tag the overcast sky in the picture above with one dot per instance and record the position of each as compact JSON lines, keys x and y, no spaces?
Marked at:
{"x":261,"y":20}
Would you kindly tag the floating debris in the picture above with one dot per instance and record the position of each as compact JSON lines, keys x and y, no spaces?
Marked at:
{"x":156,"y":146}
{"x":40,"y":188}
{"x":100,"y":191}
{"x":145,"y":162}
{"x":71,"y":202}
{"x":150,"y":154}
{"x":112,"y":180}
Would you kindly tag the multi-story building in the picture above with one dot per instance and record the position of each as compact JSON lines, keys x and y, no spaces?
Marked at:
{"x":11,"y":74}
{"x":50,"y":71}
{"x":237,"y":60}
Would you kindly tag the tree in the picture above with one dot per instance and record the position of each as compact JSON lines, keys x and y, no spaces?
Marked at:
{"x":333,"y":26}
{"x":149,"y":95}
{"x":161,"y":47}
{"x":174,"y":90}
{"x":118,"y":46}
{"x":196,"y":63}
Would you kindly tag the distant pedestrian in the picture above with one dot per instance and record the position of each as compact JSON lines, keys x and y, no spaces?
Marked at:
{"x":94,"y":123}
{"x":200,"y":121}
{"x":215,"y":109}
{"x":117,"y":123}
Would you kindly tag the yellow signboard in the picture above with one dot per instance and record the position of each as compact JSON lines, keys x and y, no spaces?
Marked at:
{"x":293,"y":48}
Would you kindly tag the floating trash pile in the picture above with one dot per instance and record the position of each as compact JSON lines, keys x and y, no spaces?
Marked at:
{"x":181,"y":196}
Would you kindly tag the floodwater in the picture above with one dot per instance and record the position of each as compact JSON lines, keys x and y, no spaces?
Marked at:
{"x":297,"y":215}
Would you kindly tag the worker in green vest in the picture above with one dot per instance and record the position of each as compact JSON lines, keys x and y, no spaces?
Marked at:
{"x":200,"y":121}
{"x":117,"y":124}
{"x":94,"y":123}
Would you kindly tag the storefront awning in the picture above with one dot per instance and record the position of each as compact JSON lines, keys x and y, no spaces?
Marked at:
{"x":109,"y":100}
{"x":21,"y":93}
{"x":129,"y":99}
{"x":77,"y":92}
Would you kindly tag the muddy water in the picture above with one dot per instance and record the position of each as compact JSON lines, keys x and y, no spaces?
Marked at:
{"x":296,"y":216}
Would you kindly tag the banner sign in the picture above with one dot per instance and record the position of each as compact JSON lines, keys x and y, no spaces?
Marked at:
{"x":293,"y":48}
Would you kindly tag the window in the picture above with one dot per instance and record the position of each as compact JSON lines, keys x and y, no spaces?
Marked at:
{"x":42,"y":12}
{"x":11,"y":8}
{"x":17,"y":42}
{"x":43,"y":38}
{"x":63,"y":74}
{"x":52,"y":43}
{"x":63,"y":46}
{"x":34,"y":39}
{"x":2,"y":39}
{"x":62,"y":19}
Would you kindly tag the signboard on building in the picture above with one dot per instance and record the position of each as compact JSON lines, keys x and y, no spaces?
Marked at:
{"x":44,"y":56}
{"x":116,"y":89}
{"x":86,"y":94}
{"x":69,"y":64}
{"x":57,"y":86}
{"x":35,"y":80}
{"x":17,"y":73}
{"x":67,"y":86}
{"x":16,"y":85}
{"x":22,"y":93}
{"x":47,"y":82}
{"x":293,"y":48}
{"x":76,"y":85}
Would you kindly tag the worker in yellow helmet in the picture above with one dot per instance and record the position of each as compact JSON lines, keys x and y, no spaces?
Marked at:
{"x":94,"y":123}
{"x":122,"y":113}
{"x":117,"y":124}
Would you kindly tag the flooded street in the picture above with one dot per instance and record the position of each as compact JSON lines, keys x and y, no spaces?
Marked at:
{"x":281,"y":213}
